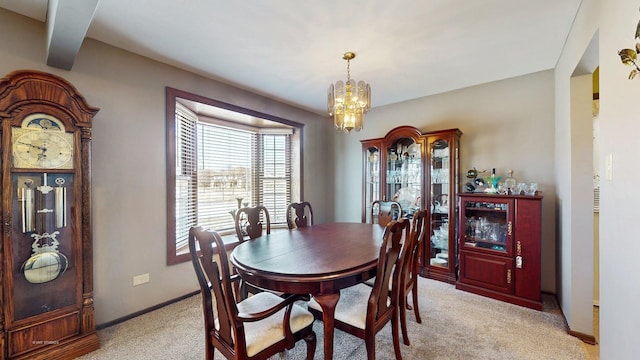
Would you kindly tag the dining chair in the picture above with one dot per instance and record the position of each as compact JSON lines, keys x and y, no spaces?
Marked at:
{"x":382,"y":212}
{"x":299,"y":214}
{"x":362,"y":310}
{"x":251,"y":222}
{"x":411,"y":252}
{"x":255,"y":328}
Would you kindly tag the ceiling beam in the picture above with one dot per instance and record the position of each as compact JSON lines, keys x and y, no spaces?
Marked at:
{"x":67,"y":25}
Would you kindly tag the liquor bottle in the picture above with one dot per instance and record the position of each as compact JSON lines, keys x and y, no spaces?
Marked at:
{"x":510,"y":182}
{"x":492,"y":182}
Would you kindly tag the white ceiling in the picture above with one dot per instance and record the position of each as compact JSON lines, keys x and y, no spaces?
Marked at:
{"x":291,"y":50}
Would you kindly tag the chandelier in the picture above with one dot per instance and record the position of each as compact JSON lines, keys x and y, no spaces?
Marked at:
{"x":348,"y":102}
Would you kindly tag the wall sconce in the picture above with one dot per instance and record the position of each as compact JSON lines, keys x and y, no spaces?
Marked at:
{"x":630,"y":56}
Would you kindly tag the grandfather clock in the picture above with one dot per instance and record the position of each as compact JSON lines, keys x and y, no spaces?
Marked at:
{"x":46,"y":249}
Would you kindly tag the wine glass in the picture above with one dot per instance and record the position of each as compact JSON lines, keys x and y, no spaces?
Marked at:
{"x":521,"y":188}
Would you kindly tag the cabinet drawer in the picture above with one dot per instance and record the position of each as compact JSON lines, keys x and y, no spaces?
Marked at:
{"x":487,"y":271}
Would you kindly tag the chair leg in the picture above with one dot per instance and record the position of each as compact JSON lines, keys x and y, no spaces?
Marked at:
{"x":414,"y":292}
{"x":403,"y":317}
{"x":209,"y":352}
{"x":395,"y":335}
{"x":370,"y":343}
{"x":311,"y":345}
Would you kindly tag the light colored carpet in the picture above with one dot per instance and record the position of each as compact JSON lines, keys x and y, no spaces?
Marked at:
{"x":455,"y":325}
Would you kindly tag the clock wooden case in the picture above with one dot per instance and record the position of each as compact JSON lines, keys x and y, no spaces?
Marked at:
{"x":46,"y":249}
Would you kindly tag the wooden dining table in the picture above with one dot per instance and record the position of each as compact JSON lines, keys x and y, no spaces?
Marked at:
{"x":318,"y":260}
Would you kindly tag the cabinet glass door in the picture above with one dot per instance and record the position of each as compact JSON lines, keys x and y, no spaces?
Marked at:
{"x":372,"y":179}
{"x":404,"y":173}
{"x":488,"y":225}
{"x":439,"y":192}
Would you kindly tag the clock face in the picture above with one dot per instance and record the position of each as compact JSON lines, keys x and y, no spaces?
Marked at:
{"x":46,"y":149}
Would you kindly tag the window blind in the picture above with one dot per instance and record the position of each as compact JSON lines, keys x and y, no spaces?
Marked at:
{"x":275,"y":174}
{"x":186,"y":175}
{"x":220,"y":168}
{"x":225,"y":168}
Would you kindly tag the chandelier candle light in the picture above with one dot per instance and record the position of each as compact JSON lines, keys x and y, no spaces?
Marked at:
{"x":348,"y":102}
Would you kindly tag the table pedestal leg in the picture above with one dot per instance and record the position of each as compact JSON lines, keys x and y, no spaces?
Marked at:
{"x":328,"y":304}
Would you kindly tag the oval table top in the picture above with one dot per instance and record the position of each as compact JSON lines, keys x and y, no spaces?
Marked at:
{"x":317,"y":259}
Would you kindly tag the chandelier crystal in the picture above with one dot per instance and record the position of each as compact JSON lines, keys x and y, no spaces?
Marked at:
{"x":348,"y":102}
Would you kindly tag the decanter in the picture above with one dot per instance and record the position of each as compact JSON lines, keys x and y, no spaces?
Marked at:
{"x":510,"y":183}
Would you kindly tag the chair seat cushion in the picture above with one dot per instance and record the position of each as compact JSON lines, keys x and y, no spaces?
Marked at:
{"x":352,"y":306}
{"x":262,"y":334}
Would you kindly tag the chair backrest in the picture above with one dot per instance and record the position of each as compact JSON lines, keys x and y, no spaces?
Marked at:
{"x":251,"y":222}
{"x":215,"y":283}
{"x":382,"y":212}
{"x":393,"y":237}
{"x":412,"y":250}
{"x":299,"y":214}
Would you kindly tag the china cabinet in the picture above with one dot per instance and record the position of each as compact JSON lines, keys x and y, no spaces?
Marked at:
{"x":499,"y":247}
{"x":46,"y":249}
{"x":439,"y":257}
{"x":420,"y":171}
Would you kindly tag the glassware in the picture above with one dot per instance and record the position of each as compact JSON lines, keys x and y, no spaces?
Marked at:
{"x":532,"y":188}
{"x":510,"y":182}
{"x":521,"y":188}
{"x":502,"y":189}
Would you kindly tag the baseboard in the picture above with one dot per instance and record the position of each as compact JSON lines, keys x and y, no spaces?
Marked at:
{"x":589,"y":339}
{"x":144,"y":311}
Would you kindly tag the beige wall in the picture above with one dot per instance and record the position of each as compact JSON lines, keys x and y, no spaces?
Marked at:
{"x":129,"y":159}
{"x":575,"y":236}
{"x":611,"y":25}
{"x":505,"y":124}
{"x":619,"y":197}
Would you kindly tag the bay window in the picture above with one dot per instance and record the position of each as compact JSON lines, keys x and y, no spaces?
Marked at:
{"x":219,"y":161}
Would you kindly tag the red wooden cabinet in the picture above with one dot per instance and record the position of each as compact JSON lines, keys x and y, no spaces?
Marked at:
{"x":499,"y":247}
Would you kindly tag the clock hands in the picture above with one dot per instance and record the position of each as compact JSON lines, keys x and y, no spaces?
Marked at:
{"x":43,"y":150}
{"x":34,"y":146}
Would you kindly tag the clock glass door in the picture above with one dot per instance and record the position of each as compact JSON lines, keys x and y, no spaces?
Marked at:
{"x":44,"y":264}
